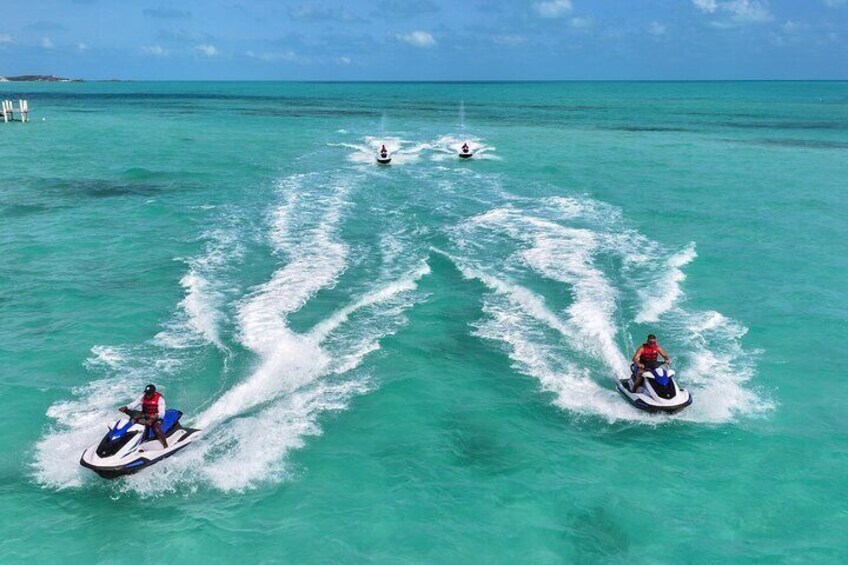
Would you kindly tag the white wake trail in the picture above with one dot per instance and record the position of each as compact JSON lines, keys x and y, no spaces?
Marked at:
{"x":200,"y":315}
{"x":299,"y":376}
{"x":587,"y":246}
{"x":297,"y":386}
{"x":79,"y":422}
{"x":304,"y":230}
{"x":565,"y":255}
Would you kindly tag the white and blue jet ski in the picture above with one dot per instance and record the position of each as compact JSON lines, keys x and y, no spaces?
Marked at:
{"x":384,"y":157}
{"x":658,"y":393}
{"x":465,"y":152}
{"x":128,"y":448}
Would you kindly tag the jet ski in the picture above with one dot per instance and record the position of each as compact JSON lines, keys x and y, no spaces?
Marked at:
{"x":383,"y":156}
{"x":465,"y":152}
{"x":658,"y":393}
{"x":127,"y":448}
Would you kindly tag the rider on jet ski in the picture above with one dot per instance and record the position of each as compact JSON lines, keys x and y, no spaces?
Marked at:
{"x":646,"y":359}
{"x":384,"y":152}
{"x":153,"y":405}
{"x":465,"y":148}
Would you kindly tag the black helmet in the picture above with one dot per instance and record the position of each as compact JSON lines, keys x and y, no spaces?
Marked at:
{"x":149,"y":389}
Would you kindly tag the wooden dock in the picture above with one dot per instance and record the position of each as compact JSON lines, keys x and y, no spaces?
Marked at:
{"x":8,"y":110}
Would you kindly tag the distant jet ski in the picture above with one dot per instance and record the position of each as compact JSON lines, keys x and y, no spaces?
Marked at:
{"x":383,"y":157}
{"x":465,"y":152}
{"x":127,"y":448}
{"x":658,"y":393}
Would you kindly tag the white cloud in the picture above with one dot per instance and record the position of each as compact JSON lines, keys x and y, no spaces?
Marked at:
{"x":82,"y":46}
{"x":581,"y":22}
{"x":508,"y":40}
{"x":656,"y":28}
{"x":5,"y":38}
{"x":418,"y":38}
{"x":207,"y":50}
{"x":738,"y":11}
{"x":790,"y":26}
{"x":749,"y":11}
{"x":47,"y":43}
{"x":553,"y":8}
{"x":275,"y":57}
{"x":835,"y":3}
{"x":156,"y":50}
{"x":343,"y":60}
{"x":708,"y":6}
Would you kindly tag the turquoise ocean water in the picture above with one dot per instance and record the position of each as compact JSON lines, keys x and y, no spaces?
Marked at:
{"x":416,"y":363}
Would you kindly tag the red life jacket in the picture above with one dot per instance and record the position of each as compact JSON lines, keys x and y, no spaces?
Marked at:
{"x":151,"y":405}
{"x":649,"y":353}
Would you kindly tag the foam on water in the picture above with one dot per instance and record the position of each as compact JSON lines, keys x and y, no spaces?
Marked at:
{"x":297,"y":377}
{"x":105,"y":355}
{"x":293,"y":382}
{"x":718,"y":367}
{"x":253,"y":457}
{"x":402,"y":151}
{"x":565,"y":255}
{"x":199,"y":315}
{"x":316,"y":258}
{"x":304,"y":230}
{"x":294,"y":385}
{"x":566,"y":240}
{"x":660,"y":297}
{"x":534,"y":353}
{"x":80,"y":422}
{"x":448,"y":147}
{"x":195,"y":323}
{"x":536,"y":338}
{"x":517,"y":247}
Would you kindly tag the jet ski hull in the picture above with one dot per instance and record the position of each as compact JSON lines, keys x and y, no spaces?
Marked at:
{"x":644,"y":402}
{"x":136,"y":465}
{"x":384,"y":160}
{"x":466,"y":155}
{"x":128,"y":447}
{"x":657,"y":393}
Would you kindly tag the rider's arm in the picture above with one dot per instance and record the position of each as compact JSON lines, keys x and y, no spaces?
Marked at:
{"x":637,"y":355}
{"x":664,"y":354}
{"x":135,"y":405}
{"x":161,"y":406}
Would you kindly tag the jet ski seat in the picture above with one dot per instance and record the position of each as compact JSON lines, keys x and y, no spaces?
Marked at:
{"x":168,"y":422}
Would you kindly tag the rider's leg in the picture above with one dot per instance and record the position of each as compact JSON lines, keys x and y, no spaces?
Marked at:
{"x":157,"y":429}
{"x":636,"y":376}
{"x":647,"y":367}
{"x":637,"y":381}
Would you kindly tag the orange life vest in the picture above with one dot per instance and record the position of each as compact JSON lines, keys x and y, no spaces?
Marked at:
{"x":151,"y":405}
{"x":649,"y":353}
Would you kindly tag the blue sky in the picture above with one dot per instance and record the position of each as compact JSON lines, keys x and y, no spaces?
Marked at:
{"x":426,"y":39}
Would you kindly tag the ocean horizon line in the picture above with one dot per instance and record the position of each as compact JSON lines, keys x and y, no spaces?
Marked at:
{"x":468,"y":81}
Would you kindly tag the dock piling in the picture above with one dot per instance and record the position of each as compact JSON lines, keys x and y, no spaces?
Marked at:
{"x":8,"y":111}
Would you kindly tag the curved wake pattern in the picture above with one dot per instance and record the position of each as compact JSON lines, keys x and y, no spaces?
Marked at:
{"x":616,"y":278}
{"x":196,"y":323}
{"x":298,"y":375}
{"x":567,"y":282}
{"x":200,"y":313}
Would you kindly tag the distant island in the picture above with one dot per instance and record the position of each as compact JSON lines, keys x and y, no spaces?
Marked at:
{"x":38,"y":78}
